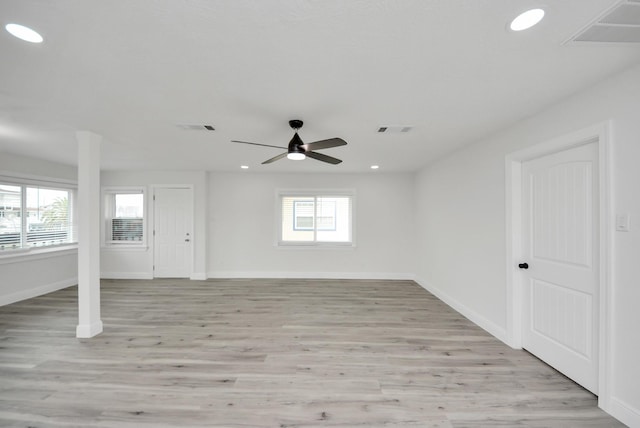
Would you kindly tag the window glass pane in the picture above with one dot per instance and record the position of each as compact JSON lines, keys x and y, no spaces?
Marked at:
{"x":129,"y":205}
{"x":303,"y":212}
{"x":47,"y":215}
{"x":10,"y":218}
{"x":297,"y":218}
{"x":334,"y":219}
{"x":326,"y":214}
{"x":128,"y":222}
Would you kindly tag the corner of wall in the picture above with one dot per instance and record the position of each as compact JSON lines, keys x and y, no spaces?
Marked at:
{"x":489,"y":326}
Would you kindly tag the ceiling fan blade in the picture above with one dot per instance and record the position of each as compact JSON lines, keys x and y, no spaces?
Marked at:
{"x":273,"y":159}
{"x":323,"y":158}
{"x":324,"y":144}
{"x":257,"y":144}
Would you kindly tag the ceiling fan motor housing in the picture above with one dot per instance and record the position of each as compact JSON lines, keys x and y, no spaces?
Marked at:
{"x":295,"y":143}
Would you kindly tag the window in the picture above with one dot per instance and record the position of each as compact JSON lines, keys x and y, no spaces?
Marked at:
{"x":35,"y":216}
{"x":124,"y":217}
{"x":314,"y":219}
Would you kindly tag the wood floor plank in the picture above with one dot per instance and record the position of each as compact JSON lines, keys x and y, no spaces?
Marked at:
{"x":272,"y":353}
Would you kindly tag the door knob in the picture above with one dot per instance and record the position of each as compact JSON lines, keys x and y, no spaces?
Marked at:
{"x":523,"y":266}
{"x":186,"y":240}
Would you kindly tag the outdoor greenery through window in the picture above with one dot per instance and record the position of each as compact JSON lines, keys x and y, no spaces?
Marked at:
{"x":124,"y":217}
{"x":312,"y":219}
{"x":33,"y":216}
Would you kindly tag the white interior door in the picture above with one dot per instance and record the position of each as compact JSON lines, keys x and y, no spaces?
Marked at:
{"x":561,"y":247}
{"x":172,"y":233}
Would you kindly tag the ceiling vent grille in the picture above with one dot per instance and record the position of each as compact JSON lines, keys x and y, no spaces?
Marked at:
{"x":621,"y":24}
{"x":394,"y":129}
{"x":196,"y":127}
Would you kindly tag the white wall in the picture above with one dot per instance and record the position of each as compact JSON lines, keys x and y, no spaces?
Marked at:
{"x":236,"y":213}
{"x":38,"y":168}
{"x":138,"y":263}
{"x":447,"y":226}
{"x":460,"y":218}
{"x":29,"y":275}
{"x":242,"y":227}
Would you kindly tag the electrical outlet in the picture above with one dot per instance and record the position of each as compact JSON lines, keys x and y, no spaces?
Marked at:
{"x":622,"y":222}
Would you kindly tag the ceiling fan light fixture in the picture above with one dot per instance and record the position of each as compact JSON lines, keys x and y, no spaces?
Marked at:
{"x":296,"y":156}
{"x":527,"y":19}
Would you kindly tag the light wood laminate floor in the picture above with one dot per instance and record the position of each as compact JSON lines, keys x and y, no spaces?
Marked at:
{"x":272,"y":353}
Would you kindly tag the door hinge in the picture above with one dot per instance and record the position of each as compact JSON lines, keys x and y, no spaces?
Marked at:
{"x":154,"y":233}
{"x":154,"y":197}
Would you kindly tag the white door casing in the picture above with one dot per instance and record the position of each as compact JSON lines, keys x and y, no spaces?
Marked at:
{"x":173,"y":232}
{"x":560,"y":242}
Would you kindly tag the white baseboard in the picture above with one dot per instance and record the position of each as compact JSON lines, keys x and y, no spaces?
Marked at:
{"x":126,"y":275}
{"x":623,"y":412}
{"x":199,"y":276}
{"x":311,"y":275}
{"x":492,"y":328}
{"x":37,"y":291}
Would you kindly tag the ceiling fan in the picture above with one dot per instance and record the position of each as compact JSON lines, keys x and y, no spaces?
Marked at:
{"x":298,"y":150}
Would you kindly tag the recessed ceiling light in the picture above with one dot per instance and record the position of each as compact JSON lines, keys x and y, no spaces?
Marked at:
{"x":375,"y":166}
{"x":24,"y":33}
{"x":244,"y":167}
{"x":526,"y":19}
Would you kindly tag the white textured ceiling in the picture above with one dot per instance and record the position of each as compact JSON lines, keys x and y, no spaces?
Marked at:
{"x":133,"y":70}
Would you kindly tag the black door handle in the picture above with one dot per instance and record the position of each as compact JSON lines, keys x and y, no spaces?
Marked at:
{"x":523,"y":266}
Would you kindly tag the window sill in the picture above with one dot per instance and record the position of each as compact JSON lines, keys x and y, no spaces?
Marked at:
{"x":316,"y":246}
{"x":35,"y":253}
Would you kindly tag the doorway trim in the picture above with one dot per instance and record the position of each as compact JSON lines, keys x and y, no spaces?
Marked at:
{"x":600,"y":134}
{"x":190,"y":188}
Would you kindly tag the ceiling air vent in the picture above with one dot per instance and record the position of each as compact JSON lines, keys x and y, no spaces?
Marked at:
{"x":621,"y":24}
{"x":196,"y":127}
{"x":394,"y":129}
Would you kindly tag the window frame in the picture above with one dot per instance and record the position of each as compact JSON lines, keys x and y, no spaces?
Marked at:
{"x":319,"y":193}
{"x":25,"y":182}
{"x":108,"y":214}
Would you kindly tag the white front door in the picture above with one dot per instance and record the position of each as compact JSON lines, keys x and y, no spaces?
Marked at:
{"x":561,"y":247}
{"x":172,"y":232}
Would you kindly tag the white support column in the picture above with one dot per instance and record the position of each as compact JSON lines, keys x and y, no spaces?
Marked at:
{"x":89,"y":322}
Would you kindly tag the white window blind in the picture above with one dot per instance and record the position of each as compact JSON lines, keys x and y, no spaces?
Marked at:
{"x":126,"y":229}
